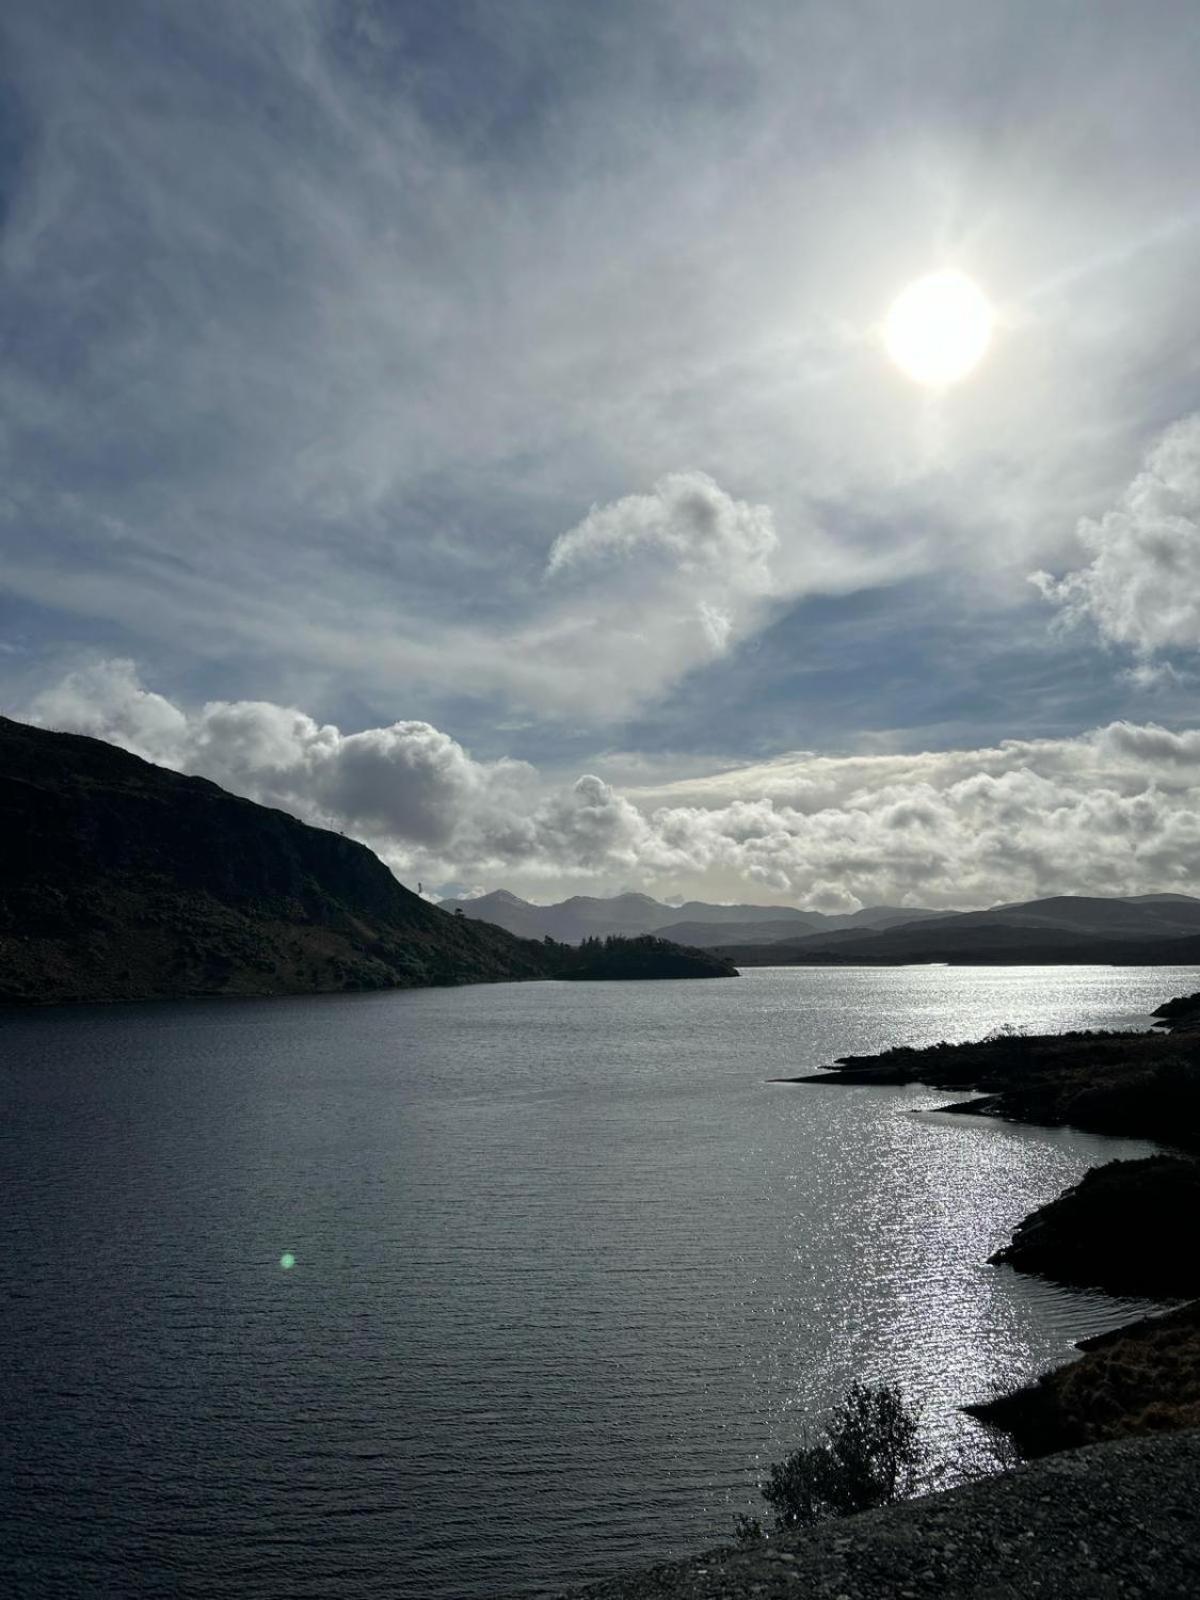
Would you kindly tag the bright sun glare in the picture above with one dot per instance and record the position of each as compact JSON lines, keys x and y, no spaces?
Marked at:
{"x":939,"y":328}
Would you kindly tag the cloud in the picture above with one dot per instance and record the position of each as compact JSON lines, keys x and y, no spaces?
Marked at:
{"x":687,"y":524}
{"x":1115,"y":810}
{"x":650,"y":586}
{"x":1141,"y":587}
{"x":107,"y":701}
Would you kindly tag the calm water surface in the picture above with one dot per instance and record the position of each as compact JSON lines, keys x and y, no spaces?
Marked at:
{"x":568,"y":1271}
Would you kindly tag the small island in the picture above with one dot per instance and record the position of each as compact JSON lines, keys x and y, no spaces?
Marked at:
{"x":642,"y":957}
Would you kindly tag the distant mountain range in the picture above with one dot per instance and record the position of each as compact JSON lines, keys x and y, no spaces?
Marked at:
{"x":696,"y":922}
{"x":1136,"y":929}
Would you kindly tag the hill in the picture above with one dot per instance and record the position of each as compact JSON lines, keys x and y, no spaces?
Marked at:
{"x":708,"y":935}
{"x":1118,"y":1518}
{"x":570,"y":921}
{"x":120,"y":879}
{"x":1099,"y":916}
{"x":1139,"y":930}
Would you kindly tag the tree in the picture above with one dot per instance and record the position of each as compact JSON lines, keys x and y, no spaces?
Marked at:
{"x":867,"y":1454}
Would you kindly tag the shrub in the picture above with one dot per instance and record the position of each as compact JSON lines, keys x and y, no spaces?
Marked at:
{"x":867,"y":1454}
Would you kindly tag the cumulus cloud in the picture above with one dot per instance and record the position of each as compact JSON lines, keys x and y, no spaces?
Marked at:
{"x":408,"y":783}
{"x":652,"y":585}
{"x":1141,"y":587}
{"x":107,"y":701}
{"x":1115,"y":810}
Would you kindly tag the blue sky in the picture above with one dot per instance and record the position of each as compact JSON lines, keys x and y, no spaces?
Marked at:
{"x":470,"y":426}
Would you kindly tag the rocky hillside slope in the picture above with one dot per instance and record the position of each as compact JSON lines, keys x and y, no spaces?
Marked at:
{"x":1141,"y":1379}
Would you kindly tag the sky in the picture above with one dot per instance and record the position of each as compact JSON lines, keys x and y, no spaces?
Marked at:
{"x":471,"y":427}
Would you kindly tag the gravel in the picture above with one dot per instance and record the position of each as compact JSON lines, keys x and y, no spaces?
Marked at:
{"x":1118,"y":1519}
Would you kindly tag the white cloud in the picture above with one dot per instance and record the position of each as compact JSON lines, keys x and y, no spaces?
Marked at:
{"x":1141,"y":587}
{"x":407,"y":783}
{"x":1116,"y":810}
{"x":687,"y":524}
{"x":650,"y":586}
{"x":107,"y":701}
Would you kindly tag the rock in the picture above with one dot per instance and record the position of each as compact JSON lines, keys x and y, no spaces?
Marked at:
{"x":1128,"y":1228}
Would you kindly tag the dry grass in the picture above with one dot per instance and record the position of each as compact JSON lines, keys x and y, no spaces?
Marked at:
{"x":1140,"y":1380}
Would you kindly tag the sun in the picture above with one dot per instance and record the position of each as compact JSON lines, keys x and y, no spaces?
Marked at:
{"x":939,"y":328}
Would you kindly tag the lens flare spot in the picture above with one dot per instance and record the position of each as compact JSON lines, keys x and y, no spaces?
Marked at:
{"x":287,"y":1261}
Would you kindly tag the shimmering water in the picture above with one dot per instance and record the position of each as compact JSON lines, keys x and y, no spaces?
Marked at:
{"x":567,"y":1270}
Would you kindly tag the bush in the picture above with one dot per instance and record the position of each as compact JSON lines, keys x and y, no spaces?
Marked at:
{"x":868,"y":1454}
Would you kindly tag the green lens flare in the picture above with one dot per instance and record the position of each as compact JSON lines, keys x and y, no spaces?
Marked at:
{"x":287,"y":1260}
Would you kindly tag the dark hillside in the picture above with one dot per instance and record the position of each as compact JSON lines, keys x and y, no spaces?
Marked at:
{"x":121,"y":880}
{"x":969,"y":943}
{"x":707,"y":935}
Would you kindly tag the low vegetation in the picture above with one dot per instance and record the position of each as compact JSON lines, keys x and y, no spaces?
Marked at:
{"x":867,"y":1454}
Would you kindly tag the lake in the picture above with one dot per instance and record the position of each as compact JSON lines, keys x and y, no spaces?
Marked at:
{"x":566,"y":1271}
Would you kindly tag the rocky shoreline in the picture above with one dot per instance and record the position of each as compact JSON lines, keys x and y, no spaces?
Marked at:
{"x":1126,"y":1229}
{"x":1117,"y":1230}
{"x":1132,"y":1085}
